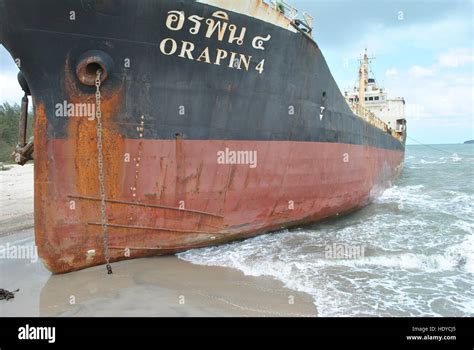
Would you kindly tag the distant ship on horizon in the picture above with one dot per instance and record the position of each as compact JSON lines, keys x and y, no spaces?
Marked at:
{"x":213,"y":121}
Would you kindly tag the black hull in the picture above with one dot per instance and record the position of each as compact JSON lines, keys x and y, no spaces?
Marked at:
{"x":220,"y":103}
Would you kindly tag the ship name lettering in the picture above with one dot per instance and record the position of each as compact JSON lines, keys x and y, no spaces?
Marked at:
{"x":218,"y":57}
{"x":217,"y":26}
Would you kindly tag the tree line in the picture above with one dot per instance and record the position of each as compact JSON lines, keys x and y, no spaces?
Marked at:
{"x":9,"y":117}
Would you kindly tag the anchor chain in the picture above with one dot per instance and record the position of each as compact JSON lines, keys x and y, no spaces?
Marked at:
{"x":100,"y":163}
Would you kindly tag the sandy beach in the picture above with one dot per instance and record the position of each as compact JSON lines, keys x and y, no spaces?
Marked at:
{"x":160,"y":286}
{"x":16,"y":199}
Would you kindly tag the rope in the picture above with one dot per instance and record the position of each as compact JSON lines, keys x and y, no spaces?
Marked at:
{"x":439,"y":149}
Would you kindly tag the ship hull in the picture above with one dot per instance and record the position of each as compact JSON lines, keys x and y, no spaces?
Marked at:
{"x":198,"y":149}
{"x":188,"y":200}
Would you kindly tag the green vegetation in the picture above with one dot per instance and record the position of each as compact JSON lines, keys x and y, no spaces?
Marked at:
{"x":9,"y":117}
{"x":280,"y":7}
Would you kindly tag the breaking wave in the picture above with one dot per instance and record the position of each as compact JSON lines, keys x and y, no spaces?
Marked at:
{"x":419,"y":249}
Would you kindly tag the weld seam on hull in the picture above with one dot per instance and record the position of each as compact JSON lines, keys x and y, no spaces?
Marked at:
{"x":158,"y":229}
{"x":147,"y":205}
{"x":174,"y":248}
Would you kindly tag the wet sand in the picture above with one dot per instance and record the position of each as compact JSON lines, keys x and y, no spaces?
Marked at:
{"x":159,"y":286}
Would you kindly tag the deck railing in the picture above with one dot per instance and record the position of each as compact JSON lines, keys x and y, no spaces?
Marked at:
{"x":290,"y":12}
{"x":370,"y":117}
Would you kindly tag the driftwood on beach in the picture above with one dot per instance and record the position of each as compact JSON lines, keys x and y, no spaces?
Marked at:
{"x":7,"y":295}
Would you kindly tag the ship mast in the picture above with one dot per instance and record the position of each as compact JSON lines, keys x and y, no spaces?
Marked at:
{"x":363,"y":81}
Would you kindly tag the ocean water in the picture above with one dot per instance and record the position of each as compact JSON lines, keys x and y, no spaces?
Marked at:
{"x":417,"y":239}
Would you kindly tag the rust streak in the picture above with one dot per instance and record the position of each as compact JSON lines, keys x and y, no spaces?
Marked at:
{"x":84,"y":134}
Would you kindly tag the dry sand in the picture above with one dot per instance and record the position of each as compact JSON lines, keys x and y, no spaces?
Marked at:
{"x":16,"y":199}
{"x":160,"y":286}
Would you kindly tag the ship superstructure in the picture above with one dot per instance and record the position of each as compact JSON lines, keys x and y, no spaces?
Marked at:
{"x":370,"y":101}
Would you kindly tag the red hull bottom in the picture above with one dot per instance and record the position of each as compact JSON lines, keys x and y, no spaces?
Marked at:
{"x":165,"y":196}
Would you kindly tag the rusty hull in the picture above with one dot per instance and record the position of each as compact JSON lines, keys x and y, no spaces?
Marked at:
{"x":221,"y":202}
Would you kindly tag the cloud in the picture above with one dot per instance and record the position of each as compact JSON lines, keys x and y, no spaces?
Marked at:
{"x":441,"y":92}
{"x":392,"y":72}
{"x":380,"y":16}
{"x":440,"y":96}
{"x":7,"y":64}
{"x":455,"y":57}
{"x":427,"y":35}
{"x":10,"y":90}
{"x":418,"y":72}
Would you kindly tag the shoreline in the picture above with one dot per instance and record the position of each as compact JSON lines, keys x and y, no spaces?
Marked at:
{"x":163,"y":286}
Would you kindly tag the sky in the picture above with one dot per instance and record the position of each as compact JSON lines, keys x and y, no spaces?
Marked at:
{"x":423,"y":52}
